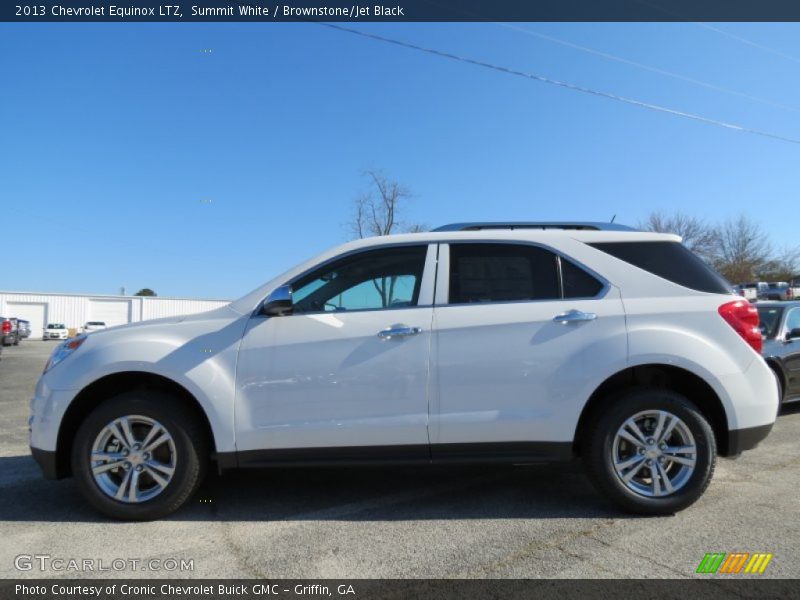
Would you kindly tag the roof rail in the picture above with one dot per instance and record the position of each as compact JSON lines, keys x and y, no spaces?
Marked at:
{"x":579,"y":225}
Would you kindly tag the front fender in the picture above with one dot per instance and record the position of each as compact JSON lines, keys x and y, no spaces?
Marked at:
{"x":199,"y":355}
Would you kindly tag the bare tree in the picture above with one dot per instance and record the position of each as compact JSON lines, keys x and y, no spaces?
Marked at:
{"x":376,"y":212}
{"x":700,"y":237}
{"x":783,"y":266}
{"x":743,"y":249}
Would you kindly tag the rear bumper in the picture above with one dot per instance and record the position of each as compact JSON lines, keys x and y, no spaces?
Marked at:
{"x":47,"y":462}
{"x":740,"y":440}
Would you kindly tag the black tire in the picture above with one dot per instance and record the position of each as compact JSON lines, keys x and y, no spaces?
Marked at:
{"x":598,"y":451}
{"x":191,"y":451}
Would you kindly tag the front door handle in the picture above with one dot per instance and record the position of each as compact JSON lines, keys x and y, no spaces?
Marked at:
{"x":398,"y":331}
{"x":574,"y":316}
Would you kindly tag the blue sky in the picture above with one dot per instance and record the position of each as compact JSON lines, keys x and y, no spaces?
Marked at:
{"x":132,"y":157}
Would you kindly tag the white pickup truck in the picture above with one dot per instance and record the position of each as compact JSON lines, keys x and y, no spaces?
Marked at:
{"x":750,"y":291}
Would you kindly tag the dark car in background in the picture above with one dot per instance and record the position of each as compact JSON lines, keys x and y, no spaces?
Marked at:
{"x":780,"y":325}
{"x":9,"y":331}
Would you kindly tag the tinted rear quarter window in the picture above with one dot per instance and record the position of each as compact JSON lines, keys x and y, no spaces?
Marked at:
{"x":671,"y":261}
{"x":577,"y":282}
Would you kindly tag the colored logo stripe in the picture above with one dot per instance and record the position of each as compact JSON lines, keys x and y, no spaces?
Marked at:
{"x":758,"y":564}
{"x":711,"y":562}
{"x":734,"y":562}
{"x":714,"y":562}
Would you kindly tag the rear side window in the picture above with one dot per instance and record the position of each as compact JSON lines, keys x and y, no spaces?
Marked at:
{"x":515,"y":272}
{"x":501,"y":273}
{"x":670,"y":260}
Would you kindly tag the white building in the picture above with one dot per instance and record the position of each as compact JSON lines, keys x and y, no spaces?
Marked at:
{"x":74,"y":310}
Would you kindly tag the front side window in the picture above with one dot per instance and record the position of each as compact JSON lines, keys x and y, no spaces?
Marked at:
{"x":769,"y":318}
{"x":502,"y":273}
{"x":376,"y":279}
{"x":793,"y":319}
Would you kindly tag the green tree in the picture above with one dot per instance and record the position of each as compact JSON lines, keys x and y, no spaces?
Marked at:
{"x":145,"y":292}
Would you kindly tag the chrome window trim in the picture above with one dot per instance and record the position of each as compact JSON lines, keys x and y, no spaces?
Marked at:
{"x":444,"y":289}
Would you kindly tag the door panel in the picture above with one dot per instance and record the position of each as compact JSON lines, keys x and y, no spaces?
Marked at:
{"x":341,"y":372}
{"x":329,"y":380}
{"x":506,"y":371}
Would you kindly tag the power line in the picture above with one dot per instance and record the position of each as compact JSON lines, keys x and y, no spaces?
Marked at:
{"x":646,"y":67}
{"x":563,"y":84}
{"x":733,"y":36}
{"x":747,"y":42}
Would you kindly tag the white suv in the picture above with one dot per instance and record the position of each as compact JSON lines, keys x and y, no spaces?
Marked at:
{"x":513,"y":343}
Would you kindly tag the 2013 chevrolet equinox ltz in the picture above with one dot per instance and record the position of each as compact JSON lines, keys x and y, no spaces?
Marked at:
{"x":474,"y":342}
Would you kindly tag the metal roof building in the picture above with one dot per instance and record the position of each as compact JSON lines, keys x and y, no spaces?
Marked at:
{"x":74,"y":310}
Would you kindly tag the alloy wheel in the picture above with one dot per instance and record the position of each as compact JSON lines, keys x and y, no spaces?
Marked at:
{"x":654,"y":453}
{"x":133,"y":459}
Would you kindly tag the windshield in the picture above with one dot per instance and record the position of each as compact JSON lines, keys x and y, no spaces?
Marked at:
{"x":55,"y":326}
{"x":96,"y":323}
{"x":769,"y":319}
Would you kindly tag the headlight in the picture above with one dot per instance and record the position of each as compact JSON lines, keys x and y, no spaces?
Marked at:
{"x":63,"y":350}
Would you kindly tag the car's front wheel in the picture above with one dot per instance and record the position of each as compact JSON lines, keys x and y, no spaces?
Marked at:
{"x":137,"y":456}
{"x":651,"y":452}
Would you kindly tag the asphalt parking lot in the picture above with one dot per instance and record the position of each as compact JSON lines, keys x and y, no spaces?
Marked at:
{"x":533,"y":521}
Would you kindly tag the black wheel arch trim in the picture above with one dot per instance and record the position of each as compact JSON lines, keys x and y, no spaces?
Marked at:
{"x":740,"y":440}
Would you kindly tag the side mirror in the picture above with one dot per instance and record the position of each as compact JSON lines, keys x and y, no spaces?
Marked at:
{"x":793,"y":335}
{"x":278,"y":303}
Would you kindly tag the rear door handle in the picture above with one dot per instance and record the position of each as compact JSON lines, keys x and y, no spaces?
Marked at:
{"x":398,"y":331}
{"x":574,"y":316}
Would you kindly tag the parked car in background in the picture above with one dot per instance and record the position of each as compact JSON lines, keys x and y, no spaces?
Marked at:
{"x":476,"y":342}
{"x":748,"y":291}
{"x":9,"y":330}
{"x":795,"y":283}
{"x":776,"y":290}
{"x":24,"y":328}
{"x":93,"y":326}
{"x":780,"y":325}
{"x":55,"y":331}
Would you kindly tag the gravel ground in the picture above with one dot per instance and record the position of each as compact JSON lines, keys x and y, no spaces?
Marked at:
{"x":538,"y":521}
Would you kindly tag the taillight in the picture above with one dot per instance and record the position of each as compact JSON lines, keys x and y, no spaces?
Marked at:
{"x":6,"y":326}
{"x":743,"y":317}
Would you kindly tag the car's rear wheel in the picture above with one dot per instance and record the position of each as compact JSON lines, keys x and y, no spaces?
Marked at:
{"x":652,"y":452}
{"x":137,"y":456}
